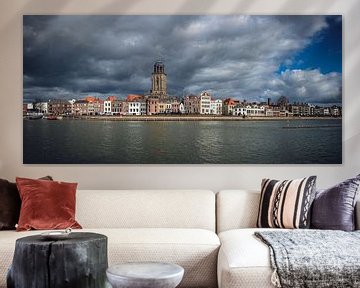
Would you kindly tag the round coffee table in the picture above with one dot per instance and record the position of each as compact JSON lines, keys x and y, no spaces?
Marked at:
{"x":145,"y":275}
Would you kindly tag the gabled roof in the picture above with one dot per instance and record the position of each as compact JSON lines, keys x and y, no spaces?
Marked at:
{"x":192,"y":97}
{"x":81,"y":101}
{"x":134,"y":97}
{"x":230,"y":101}
{"x":111,"y":98}
{"x":59,"y":101}
{"x":90,"y":98}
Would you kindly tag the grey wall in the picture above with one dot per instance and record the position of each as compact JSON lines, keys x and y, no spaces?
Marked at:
{"x":213,"y":177}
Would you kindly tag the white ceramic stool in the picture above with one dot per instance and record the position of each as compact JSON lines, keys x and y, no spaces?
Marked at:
{"x":145,"y":275}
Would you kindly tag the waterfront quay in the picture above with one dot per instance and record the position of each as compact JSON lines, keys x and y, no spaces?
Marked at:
{"x":193,"y":118}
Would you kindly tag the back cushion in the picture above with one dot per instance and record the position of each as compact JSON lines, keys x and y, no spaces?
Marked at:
{"x":236,"y":209}
{"x":146,"y":209}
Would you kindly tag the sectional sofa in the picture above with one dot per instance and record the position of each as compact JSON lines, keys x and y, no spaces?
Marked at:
{"x":210,"y":235}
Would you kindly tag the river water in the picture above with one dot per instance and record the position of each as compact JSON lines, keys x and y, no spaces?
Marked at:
{"x":182,"y":142}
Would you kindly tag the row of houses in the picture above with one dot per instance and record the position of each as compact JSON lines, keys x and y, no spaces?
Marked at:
{"x":237,"y":108}
{"x":202,"y":104}
{"x":132,"y":105}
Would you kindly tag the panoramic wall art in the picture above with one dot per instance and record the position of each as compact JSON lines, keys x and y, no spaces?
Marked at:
{"x":231,"y":89}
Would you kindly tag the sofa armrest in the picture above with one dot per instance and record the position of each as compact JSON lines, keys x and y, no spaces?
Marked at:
{"x":357,"y":215}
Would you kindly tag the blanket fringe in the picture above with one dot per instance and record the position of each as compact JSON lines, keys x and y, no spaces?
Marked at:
{"x":275,"y":280}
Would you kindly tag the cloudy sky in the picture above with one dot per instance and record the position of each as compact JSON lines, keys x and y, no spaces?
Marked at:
{"x":244,"y":57}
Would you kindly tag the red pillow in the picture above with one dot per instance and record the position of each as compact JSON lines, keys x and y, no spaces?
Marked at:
{"x":46,"y":204}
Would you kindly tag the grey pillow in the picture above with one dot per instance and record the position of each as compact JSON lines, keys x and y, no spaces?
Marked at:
{"x":334,"y":208}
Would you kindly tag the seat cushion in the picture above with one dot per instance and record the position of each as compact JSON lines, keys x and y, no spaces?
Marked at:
{"x":244,"y":261}
{"x":196,"y":250}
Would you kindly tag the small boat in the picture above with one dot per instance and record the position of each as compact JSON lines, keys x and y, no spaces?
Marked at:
{"x":54,"y":117}
{"x":34,"y":117}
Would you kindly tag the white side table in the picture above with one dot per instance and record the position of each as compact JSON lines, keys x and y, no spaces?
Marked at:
{"x":145,"y":275}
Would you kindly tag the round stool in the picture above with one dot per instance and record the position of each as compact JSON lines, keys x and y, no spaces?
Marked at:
{"x":145,"y":275}
{"x":79,"y":260}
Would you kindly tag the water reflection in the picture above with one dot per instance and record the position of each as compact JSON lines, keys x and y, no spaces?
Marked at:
{"x":81,"y":141}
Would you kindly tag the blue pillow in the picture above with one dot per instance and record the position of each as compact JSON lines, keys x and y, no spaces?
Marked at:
{"x":334,"y":208}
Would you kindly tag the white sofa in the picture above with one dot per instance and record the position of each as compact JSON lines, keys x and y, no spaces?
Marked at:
{"x":243,"y":261}
{"x":175,"y":226}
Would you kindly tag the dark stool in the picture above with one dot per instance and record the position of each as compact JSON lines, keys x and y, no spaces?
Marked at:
{"x":78,"y":261}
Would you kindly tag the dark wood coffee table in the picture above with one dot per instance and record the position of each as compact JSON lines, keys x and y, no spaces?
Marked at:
{"x":80,"y":261}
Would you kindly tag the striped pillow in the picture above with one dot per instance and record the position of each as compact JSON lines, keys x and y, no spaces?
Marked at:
{"x":286,"y":204}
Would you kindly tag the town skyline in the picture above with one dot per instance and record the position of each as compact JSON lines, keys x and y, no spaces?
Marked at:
{"x":67,"y":57}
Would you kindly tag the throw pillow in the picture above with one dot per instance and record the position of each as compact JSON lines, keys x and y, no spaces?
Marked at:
{"x":286,"y":204}
{"x":46,"y":204}
{"x":10,"y":203}
{"x":334,"y":208}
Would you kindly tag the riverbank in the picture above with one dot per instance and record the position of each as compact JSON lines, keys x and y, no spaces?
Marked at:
{"x":194,"y":118}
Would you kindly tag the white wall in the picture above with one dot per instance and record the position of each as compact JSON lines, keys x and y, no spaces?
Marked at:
{"x":213,"y":177}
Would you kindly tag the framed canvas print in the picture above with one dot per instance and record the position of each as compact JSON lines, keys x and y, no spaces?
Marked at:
{"x":175,"y":89}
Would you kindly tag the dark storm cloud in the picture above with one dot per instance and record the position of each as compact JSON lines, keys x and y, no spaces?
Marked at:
{"x":230,"y":56}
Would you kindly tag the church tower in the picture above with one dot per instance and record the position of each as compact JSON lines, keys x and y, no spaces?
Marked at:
{"x":158,"y":81}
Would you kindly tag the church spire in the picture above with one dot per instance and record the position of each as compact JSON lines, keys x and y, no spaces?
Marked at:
{"x":158,"y":80}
